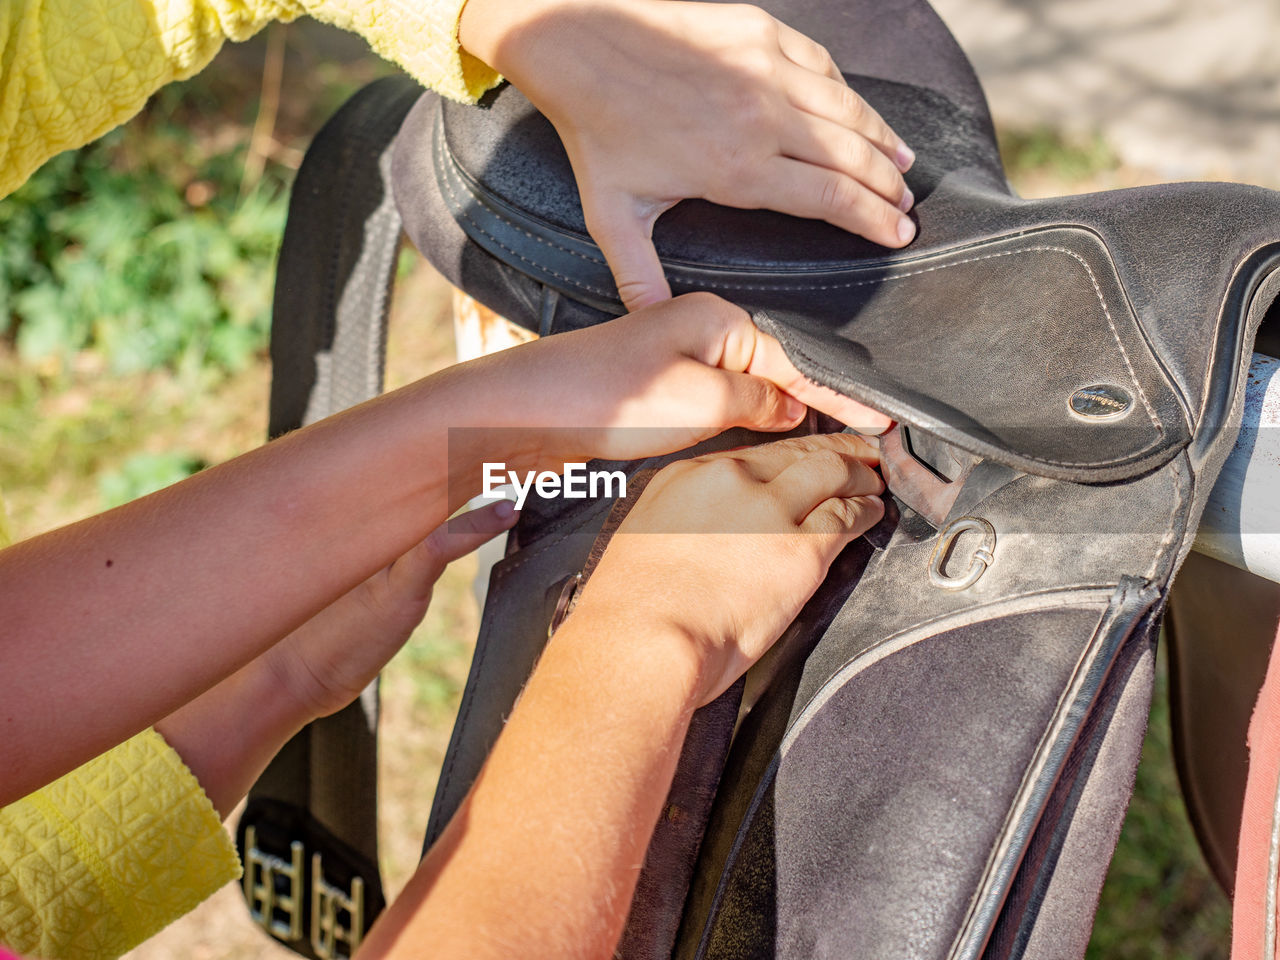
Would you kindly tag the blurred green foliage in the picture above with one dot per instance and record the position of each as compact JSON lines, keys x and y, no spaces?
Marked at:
{"x":102,"y":249}
{"x":145,"y":473}
{"x":438,"y":660}
{"x":1040,"y":150}
{"x":1160,"y":901}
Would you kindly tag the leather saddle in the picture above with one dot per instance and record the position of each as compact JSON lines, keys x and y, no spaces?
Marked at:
{"x":936,"y":758}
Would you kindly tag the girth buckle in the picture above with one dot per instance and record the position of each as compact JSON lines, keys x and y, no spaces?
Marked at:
{"x":261,"y":871}
{"x":326,"y":901}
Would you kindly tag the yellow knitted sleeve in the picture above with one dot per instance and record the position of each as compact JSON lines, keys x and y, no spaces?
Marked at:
{"x":70,"y":70}
{"x":96,"y":862}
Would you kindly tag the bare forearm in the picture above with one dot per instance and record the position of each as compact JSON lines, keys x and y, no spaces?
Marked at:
{"x":114,"y":622}
{"x":543,"y":856}
{"x":229,"y":734}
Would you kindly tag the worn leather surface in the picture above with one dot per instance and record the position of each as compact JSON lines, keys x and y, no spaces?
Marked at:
{"x":918,"y":771}
{"x":985,"y":263}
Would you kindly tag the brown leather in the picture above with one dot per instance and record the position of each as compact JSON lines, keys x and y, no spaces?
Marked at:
{"x":1220,"y":626}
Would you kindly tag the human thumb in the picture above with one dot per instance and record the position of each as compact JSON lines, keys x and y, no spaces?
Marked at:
{"x":625,"y":237}
{"x":414,"y":574}
{"x":756,"y":404}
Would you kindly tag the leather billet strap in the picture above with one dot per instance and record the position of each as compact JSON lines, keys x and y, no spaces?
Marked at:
{"x":308,"y":837}
{"x":572,"y":588}
{"x":656,"y":907}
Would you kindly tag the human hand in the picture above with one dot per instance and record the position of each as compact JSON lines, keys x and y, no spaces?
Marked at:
{"x":722,"y":551}
{"x":657,"y":102}
{"x":325,"y":663}
{"x":658,"y":380}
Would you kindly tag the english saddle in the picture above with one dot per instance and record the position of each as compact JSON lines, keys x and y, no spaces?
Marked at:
{"x":935,"y":760}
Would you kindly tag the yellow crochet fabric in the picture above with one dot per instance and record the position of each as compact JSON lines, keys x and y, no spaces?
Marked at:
{"x":94,"y":863}
{"x":70,"y":70}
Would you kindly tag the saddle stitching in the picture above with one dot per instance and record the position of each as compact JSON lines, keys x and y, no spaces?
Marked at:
{"x":1124,"y":354}
{"x":462,"y":175}
{"x":461,"y":212}
{"x":1170,"y":534}
{"x":1049,"y":461}
{"x":1040,"y":248}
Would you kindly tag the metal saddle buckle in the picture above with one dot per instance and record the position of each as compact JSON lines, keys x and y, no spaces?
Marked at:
{"x":275,"y":890}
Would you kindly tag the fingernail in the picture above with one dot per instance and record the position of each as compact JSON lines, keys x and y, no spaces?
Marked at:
{"x":794,"y":409}
{"x":904,"y":157}
{"x":908,"y":200}
{"x":906,"y":230}
{"x":504,"y":510}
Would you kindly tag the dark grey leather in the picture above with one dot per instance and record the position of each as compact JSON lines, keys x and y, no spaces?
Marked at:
{"x":921,"y":772}
{"x":1092,"y":286}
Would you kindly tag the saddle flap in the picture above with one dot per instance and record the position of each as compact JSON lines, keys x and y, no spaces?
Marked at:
{"x":1022,"y":348}
{"x":1080,"y":396}
{"x":1102,"y":313}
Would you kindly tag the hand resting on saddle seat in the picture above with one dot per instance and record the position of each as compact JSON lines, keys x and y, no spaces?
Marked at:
{"x":658,"y":102}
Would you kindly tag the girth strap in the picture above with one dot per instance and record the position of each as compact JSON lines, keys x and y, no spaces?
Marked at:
{"x":308,"y":837}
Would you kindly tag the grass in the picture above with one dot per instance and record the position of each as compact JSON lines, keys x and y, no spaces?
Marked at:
{"x":134,"y":293}
{"x":1160,"y":901}
{"x":66,"y":435}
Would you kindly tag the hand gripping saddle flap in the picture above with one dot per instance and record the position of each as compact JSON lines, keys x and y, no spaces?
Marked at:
{"x":935,"y":759}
